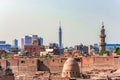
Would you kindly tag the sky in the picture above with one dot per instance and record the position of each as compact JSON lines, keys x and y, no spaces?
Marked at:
{"x":81,"y":20}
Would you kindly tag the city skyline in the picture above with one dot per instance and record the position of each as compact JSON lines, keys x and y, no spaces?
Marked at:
{"x":81,"y":21}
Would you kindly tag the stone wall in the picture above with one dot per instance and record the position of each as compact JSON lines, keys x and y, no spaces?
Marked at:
{"x":54,"y":66}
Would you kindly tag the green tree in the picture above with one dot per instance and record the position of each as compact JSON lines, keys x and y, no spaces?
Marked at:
{"x":117,"y":51}
{"x":5,"y":55}
{"x":104,"y":52}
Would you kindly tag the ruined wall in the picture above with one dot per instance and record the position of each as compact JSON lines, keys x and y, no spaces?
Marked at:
{"x":52,"y":65}
{"x":3,"y":63}
{"x":29,"y":65}
{"x":44,"y":65}
{"x":103,"y":63}
{"x":87,"y":64}
{"x":117,"y":63}
{"x":7,"y":77}
{"x":21,"y":65}
{"x":99,"y":63}
{"x":9,"y":63}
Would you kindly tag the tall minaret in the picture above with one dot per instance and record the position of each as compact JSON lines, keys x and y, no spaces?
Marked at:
{"x":60,"y":36}
{"x":102,"y":38}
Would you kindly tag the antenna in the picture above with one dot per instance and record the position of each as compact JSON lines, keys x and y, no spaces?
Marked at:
{"x":60,"y":23}
{"x":102,"y":23}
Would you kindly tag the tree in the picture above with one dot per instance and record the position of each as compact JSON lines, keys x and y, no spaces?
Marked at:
{"x":5,"y":55}
{"x":104,"y":52}
{"x":117,"y":51}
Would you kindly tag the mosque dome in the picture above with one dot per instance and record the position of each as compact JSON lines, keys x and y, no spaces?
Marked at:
{"x":70,"y":68}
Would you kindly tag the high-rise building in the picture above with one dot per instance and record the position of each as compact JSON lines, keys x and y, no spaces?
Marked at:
{"x":40,"y":41}
{"x":4,"y":46}
{"x":22,"y":43}
{"x":60,"y":37}
{"x":53,"y":46}
{"x":112,"y":47}
{"x":15,"y":43}
{"x":96,"y":47}
{"x":102,"y":38}
{"x":90,"y":49}
{"x":34,"y":36}
{"x":29,"y":40}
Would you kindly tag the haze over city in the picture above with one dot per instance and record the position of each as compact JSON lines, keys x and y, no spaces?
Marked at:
{"x":81,"y":20}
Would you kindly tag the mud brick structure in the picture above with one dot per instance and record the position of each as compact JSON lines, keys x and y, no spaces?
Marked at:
{"x":29,"y":68}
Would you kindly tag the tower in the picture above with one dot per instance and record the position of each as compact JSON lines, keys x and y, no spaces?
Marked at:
{"x":60,"y":36}
{"x":102,"y":38}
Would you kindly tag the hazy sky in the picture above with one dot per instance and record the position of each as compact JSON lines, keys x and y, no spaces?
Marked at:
{"x":80,"y":19}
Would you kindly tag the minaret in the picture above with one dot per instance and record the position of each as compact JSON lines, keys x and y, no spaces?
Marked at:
{"x":102,"y":38}
{"x":60,"y":36}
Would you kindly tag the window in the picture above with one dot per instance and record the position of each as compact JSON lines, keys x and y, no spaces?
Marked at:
{"x":53,"y":60}
{"x":0,"y":67}
{"x":67,"y":72}
{"x":42,"y":62}
{"x":22,"y":61}
{"x":73,"y":72}
{"x":76,"y":72}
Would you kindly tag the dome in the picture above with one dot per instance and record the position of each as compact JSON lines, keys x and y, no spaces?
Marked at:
{"x":70,"y":65}
{"x":70,"y":68}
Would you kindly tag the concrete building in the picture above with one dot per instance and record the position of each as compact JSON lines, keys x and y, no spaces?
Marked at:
{"x":111,"y":47}
{"x":22,"y":43}
{"x":53,"y":46}
{"x":34,"y":37}
{"x":15,"y":43}
{"x":4,"y":46}
{"x":28,"y":40}
{"x":96,"y":48}
{"x":40,"y":41}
